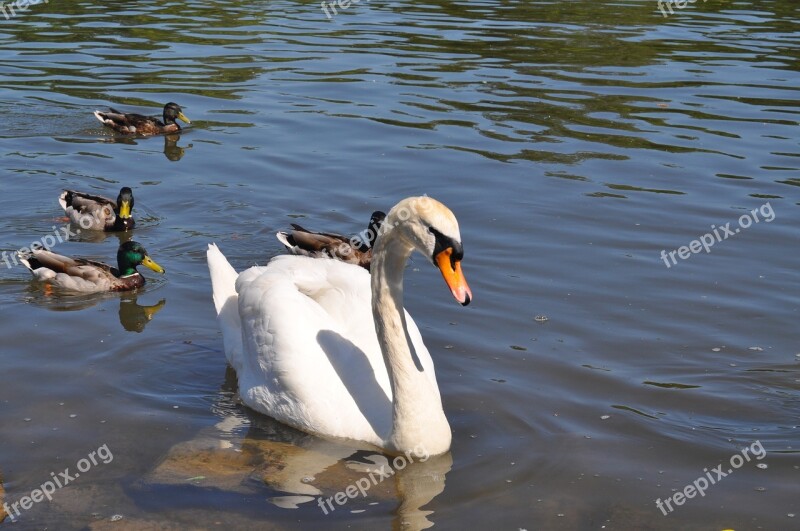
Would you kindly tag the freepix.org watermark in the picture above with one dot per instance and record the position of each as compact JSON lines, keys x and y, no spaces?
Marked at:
{"x":680,"y":4}
{"x":421,"y":205}
{"x":58,"y":481}
{"x":327,"y":7}
{"x":362,"y":485}
{"x":723,"y":232}
{"x":47,"y":242}
{"x":701,"y":484}
{"x":10,"y":9}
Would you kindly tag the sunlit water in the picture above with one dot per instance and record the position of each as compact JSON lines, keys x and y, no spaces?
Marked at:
{"x":575,"y":141}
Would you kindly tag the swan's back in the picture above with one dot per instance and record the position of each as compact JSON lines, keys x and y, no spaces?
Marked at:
{"x":340,"y":290}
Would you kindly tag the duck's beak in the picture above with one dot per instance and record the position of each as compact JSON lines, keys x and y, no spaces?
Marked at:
{"x":148,"y":263}
{"x":451,"y":272}
{"x":125,"y":210}
{"x":183,"y":117}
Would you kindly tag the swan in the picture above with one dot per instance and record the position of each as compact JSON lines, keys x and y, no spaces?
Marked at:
{"x":327,"y":348}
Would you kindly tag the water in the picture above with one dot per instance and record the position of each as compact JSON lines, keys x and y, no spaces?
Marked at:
{"x":575,"y":141}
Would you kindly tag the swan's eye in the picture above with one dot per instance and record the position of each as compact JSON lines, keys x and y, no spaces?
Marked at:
{"x":445,"y":242}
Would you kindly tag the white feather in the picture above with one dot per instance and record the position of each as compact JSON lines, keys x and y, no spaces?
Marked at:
{"x":312,"y":349}
{"x":302,"y":340}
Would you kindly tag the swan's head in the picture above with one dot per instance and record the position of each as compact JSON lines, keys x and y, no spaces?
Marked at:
{"x":431,"y":228}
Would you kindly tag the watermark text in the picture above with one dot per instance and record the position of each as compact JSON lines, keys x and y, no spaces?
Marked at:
{"x":723,"y":232}
{"x":329,"y":6}
{"x":680,"y":4}
{"x":362,"y":485}
{"x":58,"y":481}
{"x":59,"y":235}
{"x":701,"y":484}
{"x":10,"y":10}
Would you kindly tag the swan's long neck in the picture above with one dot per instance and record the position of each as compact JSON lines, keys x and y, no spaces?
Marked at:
{"x":418,"y":420}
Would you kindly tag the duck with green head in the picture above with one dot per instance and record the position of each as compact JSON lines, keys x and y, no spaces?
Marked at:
{"x":95,"y":212}
{"x":87,"y":276}
{"x":138,"y":124}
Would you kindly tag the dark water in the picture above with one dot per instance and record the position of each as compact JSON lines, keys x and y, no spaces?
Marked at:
{"x":575,"y":141}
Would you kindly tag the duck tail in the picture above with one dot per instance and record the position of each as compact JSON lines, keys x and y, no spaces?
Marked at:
{"x":284,"y":238}
{"x":25,"y":259}
{"x":65,"y":200}
{"x":39,"y":271}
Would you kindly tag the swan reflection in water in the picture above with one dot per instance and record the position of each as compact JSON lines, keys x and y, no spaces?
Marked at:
{"x":250,"y":455}
{"x":3,"y":514}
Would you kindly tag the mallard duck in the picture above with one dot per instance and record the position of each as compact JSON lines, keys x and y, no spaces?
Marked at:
{"x":95,"y":212}
{"x":328,"y":348}
{"x":88,"y":276}
{"x":355,"y":250}
{"x":137,"y":124}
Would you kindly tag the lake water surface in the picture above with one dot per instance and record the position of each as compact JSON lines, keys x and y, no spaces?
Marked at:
{"x":575,"y":141}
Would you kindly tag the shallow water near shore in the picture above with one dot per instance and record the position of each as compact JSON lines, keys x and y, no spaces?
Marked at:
{"x":578,"y":143}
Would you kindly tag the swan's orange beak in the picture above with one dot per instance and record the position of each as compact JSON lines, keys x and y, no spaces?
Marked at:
{"x":451,"y":272}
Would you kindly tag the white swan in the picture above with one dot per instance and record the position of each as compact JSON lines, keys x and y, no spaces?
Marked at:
{"x":326,"y":348}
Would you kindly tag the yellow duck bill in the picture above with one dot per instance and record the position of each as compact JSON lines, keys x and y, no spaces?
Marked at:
{"x":125,"y":210}
{"x":150,"y":264}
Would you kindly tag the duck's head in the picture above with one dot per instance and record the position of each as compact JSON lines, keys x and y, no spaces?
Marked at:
{"x":375,"y":222}
{"x":124,"y":208}
{"x":172,"y":112}
{"x":431,"y":228}
{"x":132,"y":254}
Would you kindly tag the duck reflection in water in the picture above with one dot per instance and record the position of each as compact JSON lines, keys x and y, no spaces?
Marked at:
{"x":96,"y":236}
{"x":133,"y":316}
{"x":172,"y":150}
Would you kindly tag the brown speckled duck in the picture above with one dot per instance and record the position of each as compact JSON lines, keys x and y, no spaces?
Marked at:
{"x":352,"y":250}
{"x":95,"y":212}
{"x":137,"y":124}
{"x":87,"y":276}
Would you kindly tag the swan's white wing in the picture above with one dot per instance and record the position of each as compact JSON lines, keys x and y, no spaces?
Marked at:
{"x":301,"y":336}
{"x":311,"y":355}
{"x":422,"y":351}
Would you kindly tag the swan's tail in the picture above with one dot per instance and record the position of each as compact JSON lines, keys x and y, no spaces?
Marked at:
{"x":226,"y":302}
{"x":223,"y":277}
